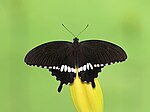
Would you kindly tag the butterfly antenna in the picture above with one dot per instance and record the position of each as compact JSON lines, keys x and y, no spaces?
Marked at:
{"x":68,"y":30}
{"x":83,"y":30}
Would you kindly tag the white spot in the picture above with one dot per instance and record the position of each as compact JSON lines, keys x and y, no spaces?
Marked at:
{"x":65,"y":68}
{"x":69,"y":69}
{"x":57,"y":68}
{"x":40,"y":66}
{"x":84,"y":68}
{"x":74,"y":70}
{"x":45,"y":66}
{"x":50,"y":67}
{"x":111,"y":63}
{"x":88,"y":67}
{"x":98,"y":65}
{"x":102,"y":64}
{"x":91,"y":66}
{"x":62,"y":68}
{"x":54,"y":67}
{"x":95,"y":65}
{"x":106,"y":64}
{"x":80,"y":69}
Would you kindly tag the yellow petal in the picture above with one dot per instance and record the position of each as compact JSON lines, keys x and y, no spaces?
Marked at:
{"x":86,"y":98}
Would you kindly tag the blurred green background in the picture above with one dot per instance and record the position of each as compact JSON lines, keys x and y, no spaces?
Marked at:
{"x":25,"y":24}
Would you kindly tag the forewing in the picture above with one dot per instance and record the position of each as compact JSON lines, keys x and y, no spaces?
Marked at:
{"x":49,"y":54}
{"x":102,"y":52}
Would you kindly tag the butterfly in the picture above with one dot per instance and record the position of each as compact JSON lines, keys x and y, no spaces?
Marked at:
{"x":64,"y":59}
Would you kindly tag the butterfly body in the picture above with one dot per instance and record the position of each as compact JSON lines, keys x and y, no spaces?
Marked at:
{"x":65,"y":58}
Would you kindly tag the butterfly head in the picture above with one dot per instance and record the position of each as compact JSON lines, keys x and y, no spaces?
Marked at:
{"x":75,"y":40}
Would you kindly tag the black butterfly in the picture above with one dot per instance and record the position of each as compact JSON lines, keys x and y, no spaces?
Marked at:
{"x":62,"y":58}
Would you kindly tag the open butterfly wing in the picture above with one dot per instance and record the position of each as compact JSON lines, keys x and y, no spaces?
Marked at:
{"x":53,"y":55}
{"x":98,"y":53}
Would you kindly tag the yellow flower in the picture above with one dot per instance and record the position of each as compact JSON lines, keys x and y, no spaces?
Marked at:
{"x":86,"y":98}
